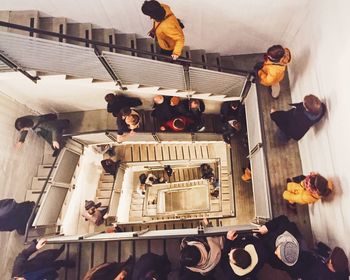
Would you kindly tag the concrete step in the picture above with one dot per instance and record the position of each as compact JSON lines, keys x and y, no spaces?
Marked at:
{"x":136,"y":207}
{"x":28,"y":18}
{"x":53,"y":24}
{"x":38,"y":183}
{"x":126,"y":40}
{"x":103,"y":193}
{"x":146,"y":44}
{"x":48,"y":159}
{"x":135,"y":214}
{"x":106,"y":185}
{"x":104,"y":201}
{"x":105,"y":35}
{"x":106,"y":178}
{"x":32,"y":195}
{"x":213,"y":59}
{"x":81,"y":30}
{"x":215,"y":207}
{"x":198,"y":56}
{"x":44,"y":170}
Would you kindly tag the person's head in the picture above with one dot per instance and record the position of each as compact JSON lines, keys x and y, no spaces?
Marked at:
{"x":174,"y":101}
{"x":179,"y":124}
{"x":132,"y":120}
{"x":153,"y":9}
{"x":338,"y":261}
{"x":158,"y":99}
{"x":320,"y":184}
{"x":23,"y":122}
{"x":194,"y":104}
{"x":89,"y":204}
{"x":287,"y":248}
{"x":240,"y":257}
{"x":109,"y":97}
{"x":312,"y":104}
{"x":234,"y":105}
{"x":190,"y":256}
{"x":143,"y":178}
{"x":125,"y":111}
{"x":275,"y":53}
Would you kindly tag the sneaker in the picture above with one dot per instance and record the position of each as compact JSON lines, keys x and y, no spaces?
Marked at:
{"x":275,"y":90}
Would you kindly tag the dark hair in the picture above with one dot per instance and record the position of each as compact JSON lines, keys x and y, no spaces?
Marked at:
{"x":125,"y":111}
{"x":109,"y":97}
{"x":241,"y":258}
{"x":154,"y":10}
{"x":313,"y":104}
{"x":339,"y":260}
{"x":275,"y":53}
{"x":190,"y":256}
{"x":179,"y":123}
{"x":321,"y":184}
{"x":23,"y":122}
{"x":143,"y":178}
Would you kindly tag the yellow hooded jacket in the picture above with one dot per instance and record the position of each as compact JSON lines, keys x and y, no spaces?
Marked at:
{"x":272,"y":73}
{"x":296,"y":193}
{"x":169,"y":33}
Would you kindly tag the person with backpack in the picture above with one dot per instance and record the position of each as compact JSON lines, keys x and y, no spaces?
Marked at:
{"x":167,"y":29}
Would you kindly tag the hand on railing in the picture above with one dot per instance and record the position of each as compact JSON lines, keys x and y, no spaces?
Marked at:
{"x":41,"y":243}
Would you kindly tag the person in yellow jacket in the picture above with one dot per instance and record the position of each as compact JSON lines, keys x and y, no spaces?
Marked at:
{"x":272,"y":70}
{"x":166,"y":28}
{"x":307,"y":189}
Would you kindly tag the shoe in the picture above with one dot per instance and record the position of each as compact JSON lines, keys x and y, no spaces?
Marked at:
{"x":275,"y":90}
{"x":201,"y":129}
{"x":289,"y":180}
{"x":247,"y":176}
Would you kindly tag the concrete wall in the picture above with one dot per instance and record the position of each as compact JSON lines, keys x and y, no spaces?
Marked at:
{"x":320,"y":47}
{"x":17,"y":168}
{"x":225,"y":26}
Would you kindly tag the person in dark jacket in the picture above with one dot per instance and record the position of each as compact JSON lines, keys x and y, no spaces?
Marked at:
{"x":242,"y":256}
{"x":284,"y":246}
{"x":333,"y":266}
{"x":14,"y":216}
{"x":193,"y":108}
{"x":43,"y":266}
{"x":46,"y":126}
{"x":297,"y":121}
{"x":163,"y":111}
{"x":232,"y":110}
{"x":110,"y":166}
{"x":116,"y":102}
{"x":151,"y":266}
{"x":178,"y":124}
{"x":111,"y":271}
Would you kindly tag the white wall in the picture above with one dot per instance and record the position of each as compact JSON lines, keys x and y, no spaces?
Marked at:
{"x":225,"y":26}
{"x":320,"y":47}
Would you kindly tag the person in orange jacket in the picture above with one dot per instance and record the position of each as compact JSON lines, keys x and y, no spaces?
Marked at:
{"x":271,"y":71}
{"x":166,"y":28}
{"x":307,"y":189}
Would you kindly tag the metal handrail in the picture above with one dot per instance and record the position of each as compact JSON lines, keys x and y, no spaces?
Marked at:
{"x":87,"y":42}
{"x":31,"y":217}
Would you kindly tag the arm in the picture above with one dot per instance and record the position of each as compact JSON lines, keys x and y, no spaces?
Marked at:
{"x":22,"y":258}
{"x":274,"y":224}
{"x":177,"y":35}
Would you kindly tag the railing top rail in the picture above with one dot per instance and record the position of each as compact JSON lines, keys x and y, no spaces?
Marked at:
{"x":180,"y":60}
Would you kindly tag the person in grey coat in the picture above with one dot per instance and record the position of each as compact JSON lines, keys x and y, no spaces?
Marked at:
{"x":46,"y":126}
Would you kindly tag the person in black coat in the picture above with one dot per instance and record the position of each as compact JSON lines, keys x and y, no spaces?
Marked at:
{"x":14,"y":216}
{"x":193,"y":108}
{"x":116,"y":102}
{"x":43,"y":266}
{"x":285,"y":247}
{"x":151,"y":266}
{"x":163,"y":110}
{"x":297,"y":121}
{"x":242,"y":256}
{"x":232,"y":110}
{"x":325,"y":266}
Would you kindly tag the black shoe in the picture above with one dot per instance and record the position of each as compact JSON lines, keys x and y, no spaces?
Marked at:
{"x":289,"y":180}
